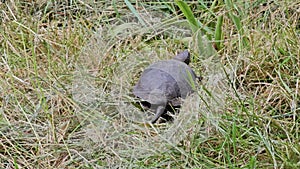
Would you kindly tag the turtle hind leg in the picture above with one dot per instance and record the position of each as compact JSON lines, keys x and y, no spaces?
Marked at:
{"x":159,"y":111}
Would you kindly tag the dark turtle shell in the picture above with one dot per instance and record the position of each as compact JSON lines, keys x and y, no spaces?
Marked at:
{"x":163,"y":83}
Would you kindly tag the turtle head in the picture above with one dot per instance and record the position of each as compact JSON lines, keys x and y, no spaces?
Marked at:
{"x":183,"y":57}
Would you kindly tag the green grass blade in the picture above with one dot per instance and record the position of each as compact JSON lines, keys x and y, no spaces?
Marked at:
{"x":237,"y":21}
{"x":268,"y":145}
{"x":218,"y":32}
{"x":135,"y":13}
{"x":203,"y":42}
{"x":252,"y":162}
{"x":195,"y":24}
{"x":188,"y":14}
{"x":116,"y":8}
{"x":211,"y":12}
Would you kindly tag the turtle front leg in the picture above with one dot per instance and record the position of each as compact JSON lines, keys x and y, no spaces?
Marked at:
{"x":159,"y":111}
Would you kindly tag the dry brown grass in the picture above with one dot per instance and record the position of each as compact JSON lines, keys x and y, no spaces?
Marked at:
{"x":67,"y":70}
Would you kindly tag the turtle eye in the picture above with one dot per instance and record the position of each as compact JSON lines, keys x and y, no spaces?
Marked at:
{"x":187,"y":61}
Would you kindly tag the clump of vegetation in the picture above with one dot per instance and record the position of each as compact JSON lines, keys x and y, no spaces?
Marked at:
{"x":68,"y":68}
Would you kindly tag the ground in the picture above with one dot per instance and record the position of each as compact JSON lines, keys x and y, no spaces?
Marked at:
{"x":68,"y":69}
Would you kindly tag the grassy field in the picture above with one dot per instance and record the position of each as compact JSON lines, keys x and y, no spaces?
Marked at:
{"x":67,"y":70}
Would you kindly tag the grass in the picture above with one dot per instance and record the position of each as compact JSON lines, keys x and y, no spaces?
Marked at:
{"x":67,"y":71}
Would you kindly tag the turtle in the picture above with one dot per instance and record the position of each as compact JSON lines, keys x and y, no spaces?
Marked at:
{"x":162,"y":85}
